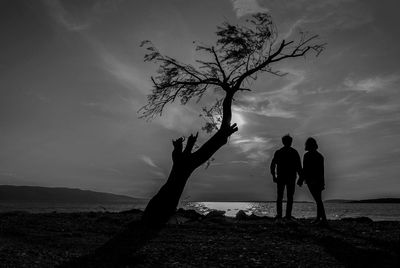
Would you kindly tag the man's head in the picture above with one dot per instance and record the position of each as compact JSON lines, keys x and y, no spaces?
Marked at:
{"x":287,"y":140}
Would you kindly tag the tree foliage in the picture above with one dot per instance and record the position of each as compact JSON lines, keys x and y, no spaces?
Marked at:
{"x":239,"y":54}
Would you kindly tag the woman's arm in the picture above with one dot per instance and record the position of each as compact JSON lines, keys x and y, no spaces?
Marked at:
{"x":322,"y":173}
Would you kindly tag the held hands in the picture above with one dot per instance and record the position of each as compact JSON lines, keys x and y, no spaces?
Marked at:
{"x":300,"y":183}
{"x":274,"y":178}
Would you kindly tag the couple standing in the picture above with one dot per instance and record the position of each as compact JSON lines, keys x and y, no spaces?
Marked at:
{"x":285,"y":167}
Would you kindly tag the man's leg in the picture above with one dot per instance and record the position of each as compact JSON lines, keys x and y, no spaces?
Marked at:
{"x":281,"y":188}
{"x":290,"y":187}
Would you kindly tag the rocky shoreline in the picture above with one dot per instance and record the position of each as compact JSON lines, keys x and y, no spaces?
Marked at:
{"x":193,"y":240}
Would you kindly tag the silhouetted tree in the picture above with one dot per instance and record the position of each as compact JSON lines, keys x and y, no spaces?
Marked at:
{"x":240,"y":53}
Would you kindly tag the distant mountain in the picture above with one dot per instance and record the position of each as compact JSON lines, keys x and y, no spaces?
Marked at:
{"x":378,"y":200}
{"x":338,"y":201}
{"x":9,"y":193}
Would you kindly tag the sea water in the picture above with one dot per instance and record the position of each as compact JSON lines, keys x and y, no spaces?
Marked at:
{"x":377,"y":212}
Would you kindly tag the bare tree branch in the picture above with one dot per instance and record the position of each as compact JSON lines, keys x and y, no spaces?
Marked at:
{"x":240,"y":53}
{"x":219,"y":64}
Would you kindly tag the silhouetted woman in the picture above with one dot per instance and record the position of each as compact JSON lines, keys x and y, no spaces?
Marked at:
{"x":313,"y":174}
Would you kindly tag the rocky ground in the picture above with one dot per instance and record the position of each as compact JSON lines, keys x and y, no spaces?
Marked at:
{"x":192,"y":240}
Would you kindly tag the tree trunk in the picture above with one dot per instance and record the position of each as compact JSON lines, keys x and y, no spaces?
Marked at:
{"x":163,"y":205}
{"x":120,"y":250}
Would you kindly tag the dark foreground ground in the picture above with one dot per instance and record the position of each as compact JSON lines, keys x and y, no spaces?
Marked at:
{"x":47,"y":240}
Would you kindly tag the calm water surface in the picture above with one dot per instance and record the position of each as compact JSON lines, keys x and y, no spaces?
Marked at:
{"x":377,"y":212}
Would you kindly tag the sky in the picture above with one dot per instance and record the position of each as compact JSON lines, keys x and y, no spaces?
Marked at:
{"x":72,"y":79}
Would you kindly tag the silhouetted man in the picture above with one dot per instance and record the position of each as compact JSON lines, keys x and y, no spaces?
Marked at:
{"x":285,"y":166}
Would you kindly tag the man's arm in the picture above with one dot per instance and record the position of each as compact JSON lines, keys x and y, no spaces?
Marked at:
{"x":273,"y":167}
{"x":300,"y":181}
{"x":299,"y":170}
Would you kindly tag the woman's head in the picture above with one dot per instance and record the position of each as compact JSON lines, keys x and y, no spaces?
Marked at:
{"x":311,"y":144}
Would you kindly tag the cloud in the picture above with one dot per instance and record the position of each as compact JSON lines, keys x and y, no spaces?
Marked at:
{"x":296,"y":25}
{"x":274,"y":103}
{"x":247,"y":7}
{"x":126,"y":74}
{"x":181,"y":118}
{"x":387,"y":107}
{"x":81,"y":17}
{"x":116,"y":108}
{"x":255,"y":148}
{"x":321,"y":16}
{"x":158,"y":173}
{"x":371,"y":84}
{"x":265,"y":108}
{"x":64,"y":18}
{"x":239,"y":162}
{"x":148,"y":161}
{"x":10,"y":175}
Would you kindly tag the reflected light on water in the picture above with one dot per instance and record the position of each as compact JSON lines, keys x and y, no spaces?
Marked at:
{"x":231,"y":208}
{"x":302,"y":209}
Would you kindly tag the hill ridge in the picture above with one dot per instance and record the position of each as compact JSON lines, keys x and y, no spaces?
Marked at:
{"x":13,"y":193}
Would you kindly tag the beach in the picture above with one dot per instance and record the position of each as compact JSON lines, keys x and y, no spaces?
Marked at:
{"x":194,"y":240}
